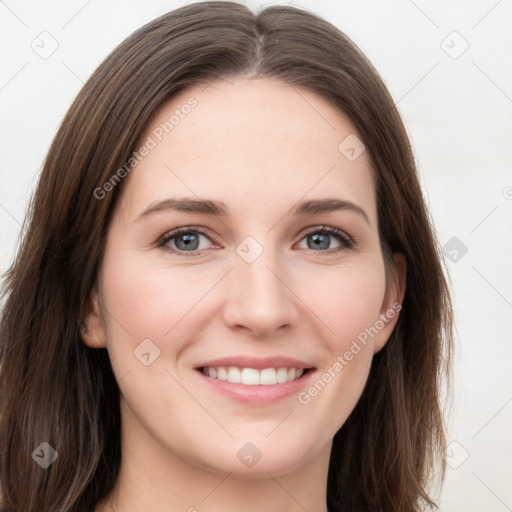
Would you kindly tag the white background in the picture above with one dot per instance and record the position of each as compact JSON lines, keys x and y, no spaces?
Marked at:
{"x":458,"y":112}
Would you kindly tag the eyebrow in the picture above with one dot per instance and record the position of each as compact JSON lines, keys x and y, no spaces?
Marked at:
{"x":219,"y":209}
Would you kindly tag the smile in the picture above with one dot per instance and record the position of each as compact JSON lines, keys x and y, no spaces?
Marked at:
{"x":255,"y":380}
{"x":253,"y":376}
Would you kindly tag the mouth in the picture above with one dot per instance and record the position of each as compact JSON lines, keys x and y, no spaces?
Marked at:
{"x":253,"y":376}
{"x":254,"y":380}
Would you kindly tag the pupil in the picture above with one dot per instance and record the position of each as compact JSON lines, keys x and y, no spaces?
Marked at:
{"x":189,"y":241}
{"x":320,"y":241}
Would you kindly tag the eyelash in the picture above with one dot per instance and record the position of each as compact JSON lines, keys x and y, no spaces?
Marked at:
{"x":346,"y":241}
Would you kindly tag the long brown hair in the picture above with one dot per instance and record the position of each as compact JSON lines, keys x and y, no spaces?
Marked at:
{"x":55,"y":389}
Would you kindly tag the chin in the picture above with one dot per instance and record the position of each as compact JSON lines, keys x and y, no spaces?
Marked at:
{"x":255,"y":459}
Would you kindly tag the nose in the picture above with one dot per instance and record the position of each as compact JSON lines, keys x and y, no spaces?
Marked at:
{"x":260,"y":299}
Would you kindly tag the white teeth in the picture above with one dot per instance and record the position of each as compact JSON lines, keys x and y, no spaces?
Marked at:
{"x":268,"y":377}
{"x":282,"y":375}
{"x":250,"y":376}
{"x":234,"y":375}
{"x":253,"y":377}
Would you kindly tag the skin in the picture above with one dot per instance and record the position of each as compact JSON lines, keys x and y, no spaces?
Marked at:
{"x":260,"y":147}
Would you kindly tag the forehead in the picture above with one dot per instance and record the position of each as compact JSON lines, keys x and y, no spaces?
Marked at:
{"x":248,"y":142}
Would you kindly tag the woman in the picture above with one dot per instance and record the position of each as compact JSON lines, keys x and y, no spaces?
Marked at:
{"x":229,"y":294}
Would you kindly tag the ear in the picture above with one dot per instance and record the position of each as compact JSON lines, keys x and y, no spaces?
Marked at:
{"x":392,"y":303}
{"x":92,"y":329}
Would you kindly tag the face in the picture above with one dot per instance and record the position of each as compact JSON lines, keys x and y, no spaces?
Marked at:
{"x":242,"y":294}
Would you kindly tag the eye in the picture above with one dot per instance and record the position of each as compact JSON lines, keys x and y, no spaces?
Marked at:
{"x":320,"y":239}
{"x":191,"y":240}
{"x":185,"y":241}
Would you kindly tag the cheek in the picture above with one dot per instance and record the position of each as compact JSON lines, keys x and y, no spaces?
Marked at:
{"x":154,"y":301}
{"x":148,"y":297}
{"x":350,"y":306}
{"x":350,"y":302}
{"x":141,"y":302}
{"x":149,"y":302}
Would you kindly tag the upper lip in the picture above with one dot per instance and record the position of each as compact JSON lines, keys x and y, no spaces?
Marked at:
{"x":258,"y":363}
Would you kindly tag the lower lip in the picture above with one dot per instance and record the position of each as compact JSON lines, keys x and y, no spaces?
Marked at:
{"x":259,"y":394}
